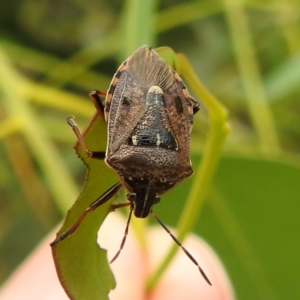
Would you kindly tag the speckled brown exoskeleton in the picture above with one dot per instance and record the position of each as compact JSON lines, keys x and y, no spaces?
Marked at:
{"x":149,"y":116}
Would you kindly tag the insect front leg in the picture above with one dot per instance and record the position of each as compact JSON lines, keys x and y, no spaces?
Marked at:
{"x":91,"y":154}
{"x":101,"y":200}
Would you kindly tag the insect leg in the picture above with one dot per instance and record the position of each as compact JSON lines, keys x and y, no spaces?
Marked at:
{"x":125,"y":234}
{"x":113,"y":207}
{"x":180,"y":245}
{"x":91,"y":154}
{"x":101,"y":200}
{"x":95,"y":96}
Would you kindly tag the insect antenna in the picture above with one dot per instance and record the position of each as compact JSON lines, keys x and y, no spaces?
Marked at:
{"x":181,"y":246}
{"x":124,"y":237}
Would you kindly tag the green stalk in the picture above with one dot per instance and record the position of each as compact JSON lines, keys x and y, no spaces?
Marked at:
{"x":185,"y":13}
{"x":137,"y":29}
{"x":80,"y":62}
{"x":205,"y":172}
{"x":251,"y":79}
{"x":288,"y":12}
{"x":61,"y":184}
{"x":138,"y":26}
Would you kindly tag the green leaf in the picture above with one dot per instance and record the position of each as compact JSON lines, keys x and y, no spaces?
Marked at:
{"x":251,"y":220}
{"x":81,"y":264}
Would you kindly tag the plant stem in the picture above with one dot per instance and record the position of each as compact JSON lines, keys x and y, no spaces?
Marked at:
{"x":138,"y":26}
{"x":205,"y":172}
{"x":251,"y":79}
{"x":61,"y":185}
{"x":137,"y":29}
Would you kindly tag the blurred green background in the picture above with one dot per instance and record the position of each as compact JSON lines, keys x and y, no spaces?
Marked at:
{"x":247,"y":53}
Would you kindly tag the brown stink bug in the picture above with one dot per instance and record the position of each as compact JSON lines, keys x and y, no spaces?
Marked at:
{"x":149,"y":115}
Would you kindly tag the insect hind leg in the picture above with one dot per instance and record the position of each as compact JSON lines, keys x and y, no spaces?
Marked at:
{"x":181,"y":246}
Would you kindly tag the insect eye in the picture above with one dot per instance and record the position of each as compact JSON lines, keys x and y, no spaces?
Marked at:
{"x":131,"y":197}
{"x":125,"y":101}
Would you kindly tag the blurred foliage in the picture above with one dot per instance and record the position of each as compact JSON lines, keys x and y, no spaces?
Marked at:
{"x":52,"y":53}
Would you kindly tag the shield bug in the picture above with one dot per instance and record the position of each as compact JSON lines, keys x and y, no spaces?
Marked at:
{"x":149,"y":116}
